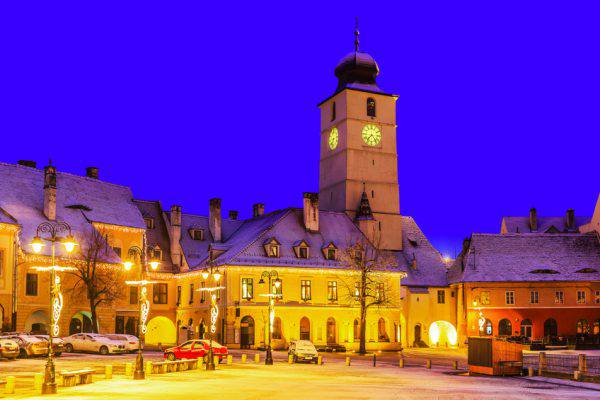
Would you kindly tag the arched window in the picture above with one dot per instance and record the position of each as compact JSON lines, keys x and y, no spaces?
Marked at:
{"x":277,"y":331}
{"x":486,"y":329}
{"x":356,"y":329}
{"x":504,"y":327}
{"x":381,"y":332}
{"x":304,"y":329}
{"x":583,"y":327}
{"x":371,"y":110}
{"x":526,"y":328}
{"x":550,"y":327}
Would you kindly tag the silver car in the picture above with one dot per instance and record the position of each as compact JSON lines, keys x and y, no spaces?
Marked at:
{"x":93,"y":343}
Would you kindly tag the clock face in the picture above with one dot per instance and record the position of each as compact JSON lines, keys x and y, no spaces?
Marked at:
{"x":333,"y":138}
{"x":371,"y":134}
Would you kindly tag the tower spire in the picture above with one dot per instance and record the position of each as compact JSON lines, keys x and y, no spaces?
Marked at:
{"x":356,"y":34}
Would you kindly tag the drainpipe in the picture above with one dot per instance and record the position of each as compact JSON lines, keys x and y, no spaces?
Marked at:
{"x":14,"y":283}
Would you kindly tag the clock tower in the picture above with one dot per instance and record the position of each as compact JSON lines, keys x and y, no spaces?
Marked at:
{"x":358,"y":172}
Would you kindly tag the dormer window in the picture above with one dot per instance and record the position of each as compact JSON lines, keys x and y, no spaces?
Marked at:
{"x":586,"y":271}
{"x":371,"y":111}
{"x":272,"y":247}
{"x":330,"y":251}
{"x":149,"y":222}
{"x":155,"y":252}
{"x":197,"y":234}
{"x":301,"y":249}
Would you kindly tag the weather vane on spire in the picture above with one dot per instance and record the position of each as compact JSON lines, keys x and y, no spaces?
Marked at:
{"x":356,"y":33}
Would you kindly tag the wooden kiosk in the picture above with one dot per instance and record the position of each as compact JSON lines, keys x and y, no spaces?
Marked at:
{"x":492,"y":356}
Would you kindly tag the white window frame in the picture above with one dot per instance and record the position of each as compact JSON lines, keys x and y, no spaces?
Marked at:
{"x":559,"y":297}
{"x":534,"y":297}
{"x":581,"y":297}
{"x":509,"y":295}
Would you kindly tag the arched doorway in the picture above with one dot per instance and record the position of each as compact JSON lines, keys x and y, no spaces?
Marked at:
{"x":504,"y":327}
{"x":81,"y":323}
{"x":550,"y":327}
{"x":277,"y":329}
{"x":442,"y":333}
{"x":304,"y":329}
{"x":247,"y":332}
{"x":331,"y":332}
{"x":417,"y":332}
{"x":526,"y":328}
{"x":37,"y":322}
{"x":382,"y":335}
{"x":161,"y":330}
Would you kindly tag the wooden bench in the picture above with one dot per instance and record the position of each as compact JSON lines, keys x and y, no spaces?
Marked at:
{"x":79,"y":377}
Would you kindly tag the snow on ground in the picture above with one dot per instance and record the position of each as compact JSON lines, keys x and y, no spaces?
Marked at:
{"x":333,"y":380}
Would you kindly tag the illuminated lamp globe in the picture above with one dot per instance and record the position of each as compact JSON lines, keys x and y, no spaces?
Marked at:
{"x":127,"y":265}
{"x":154,"y":264}
{"x":217,"y":276}
{"x":37,"y":244}
{"x":69,"y":243}
{"x":277,"y":283}
{"x":205,"y":274}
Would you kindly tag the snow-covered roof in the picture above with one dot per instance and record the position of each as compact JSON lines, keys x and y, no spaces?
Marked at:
{"x":544,"y":224}
{"x":79,"y":201}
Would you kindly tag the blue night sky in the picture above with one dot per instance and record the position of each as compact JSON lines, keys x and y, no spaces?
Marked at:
{"x":498,"y":107}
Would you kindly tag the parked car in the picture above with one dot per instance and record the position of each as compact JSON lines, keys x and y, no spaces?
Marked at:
{"x":303,"y":350}
{"x":58,"y":345}
{"x":130,"y":341}
{"x":9,"y":348}
{"x":195,"y":349}
{"x":331,"y":348}
{"x":29,"y":345}
{"x":93,"y":343}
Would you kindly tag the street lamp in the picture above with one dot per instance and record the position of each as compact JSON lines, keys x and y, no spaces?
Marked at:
{"x":274,"y":284}
{"x":214,"y":310}
{"x":133,"y":255}
{"x":53,"y":229}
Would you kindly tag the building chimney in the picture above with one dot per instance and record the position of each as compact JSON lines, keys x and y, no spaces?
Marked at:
{"x":258,"y":210}
{"x":311,"y":211}
{"x":175,"y":229}
{"x":570,"y":219}
{"x":533,"y":222}
{"x":27,"y":163}
{"x":233,"y":215}
{"x":91,"y":172}
{"x":214,"y":219}
{"x":50,"y":192}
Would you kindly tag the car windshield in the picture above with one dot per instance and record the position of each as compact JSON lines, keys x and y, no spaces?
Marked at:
{"x":305,"y":346}
{"x":214,"y":344}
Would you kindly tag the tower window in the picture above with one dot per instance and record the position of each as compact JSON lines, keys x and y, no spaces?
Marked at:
{"x":372,"y":194}
{"x":371,"y":111}
{"x":333,"y":111}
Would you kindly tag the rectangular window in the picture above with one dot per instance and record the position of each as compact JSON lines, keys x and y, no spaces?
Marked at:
{"x":303,"y":252}
{"x":510,"y":297}
{"x":178,"y":302}
{"x":1,"y":262}
{"x":160,"y":293}
{"x":597,"y":300}
{"x":559,"y":297}
{"x":333,"y":111}
{"x":380,"y":294}
{"x":133,"y":294}
{"x":247,"y":288}
{"x":191,"y":293}
{"x":149,"y":223}
{"x":534,"y":297}
{"x":305,"y":290}
{"x":581,"y":297}
{"x":202,"y":292}
{"x":31,"y":285}
{"x":120,"y":324}
{"x":331,"y":254}
{"x":485,"y":298}
{"x":441,"y":296}
{"x":332,"y":294}
{"x":117,"y":251}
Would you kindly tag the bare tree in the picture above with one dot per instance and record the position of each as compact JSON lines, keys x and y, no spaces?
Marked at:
{"x":367,"y":283}
{"x":96,"y":280}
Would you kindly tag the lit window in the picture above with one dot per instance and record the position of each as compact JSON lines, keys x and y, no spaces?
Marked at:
{"x":581,"y":297}
{"x":332,"y":294}
{"x":305,"y":290}
{"x":597,"y":300}
{"x":485,"y":298}
{"x":31,"y":285}
{"x":178,"y":302}
{"x":510,"y":297}
{"x":534,"y":297}
{"x":197,"y":234}
{"x":247,"y":288}
{"x":441,"y":295}
{"x":159,"y":293}
{"x":191,"y":293}
{"x":274,"y":251}
{"x":559,"y":297}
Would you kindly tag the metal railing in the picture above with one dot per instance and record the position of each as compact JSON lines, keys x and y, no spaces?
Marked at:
{"x":563,"y":363}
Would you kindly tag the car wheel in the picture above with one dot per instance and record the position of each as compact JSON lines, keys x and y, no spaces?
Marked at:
{"x":103,"y":350}
{"x":69,"y":348}
{"x":171,"y":357}
{"x":23,"y":353}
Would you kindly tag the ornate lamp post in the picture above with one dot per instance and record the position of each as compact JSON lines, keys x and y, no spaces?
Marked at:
{"x":53,"y":230}
{"x":134,"y":254}
{"x":214,"y":310}
{"x":274,"y":284}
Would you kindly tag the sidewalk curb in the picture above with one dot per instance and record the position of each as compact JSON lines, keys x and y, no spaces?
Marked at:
{"x":563,"y":382}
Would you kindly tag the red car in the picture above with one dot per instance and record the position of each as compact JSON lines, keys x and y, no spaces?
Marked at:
{"x":195,"y":349}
